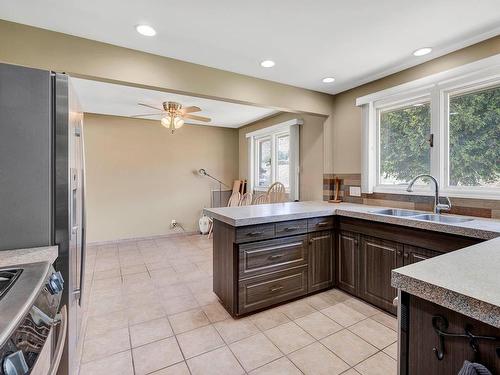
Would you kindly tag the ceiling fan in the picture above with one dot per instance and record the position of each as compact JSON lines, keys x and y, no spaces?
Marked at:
{"x":174,"y":114}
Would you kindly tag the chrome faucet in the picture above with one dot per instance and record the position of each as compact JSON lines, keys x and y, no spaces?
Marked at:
{"x":438,"y":207}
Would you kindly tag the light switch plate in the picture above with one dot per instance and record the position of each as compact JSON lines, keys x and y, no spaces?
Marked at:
{"x":355,"y":191}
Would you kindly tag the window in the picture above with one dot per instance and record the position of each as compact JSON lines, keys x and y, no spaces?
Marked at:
{"x":404,"y":150}
{"x":273,"y":156}
{"x":273,"y":160}
{"x":446,"y":125}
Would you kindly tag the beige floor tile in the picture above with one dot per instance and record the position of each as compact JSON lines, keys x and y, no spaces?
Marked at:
{"x":289,"y":337}
{"x":201,"y":286}
{"x":318,"y":325}
{"x":130,"y":270}
{"x":200,"y":340}
{"x":156,"y":355}
{"x":179,"y":304}
{"x":387,"y":320}
{"x":104,"y":345}
{"x":375,"y":333}
{"x":351,"y":348}
{"x":350,"y":372}
{"x":343,"y":314}
{"x":100,"y":324}
{"x":175,"y":290}
{"x":392,"y":350}
{"x":233,"y":330}
{"x":315,"y":359}
{"x":362,"y":307}
{"x":144,"y":313}
{"x":379,"y":364}
{"x":206,"y":298}
{"x":153,"y":330}
{"x":188,"y":320}
{"x":177,"y":369}
{"x":282,"y":366}
{"x":161,"y":265}
{"x":255,"y":351}
{"x":297,"y":309}
{"x":215,"y":312}
{"x":99,"y":275}
{"x":109,"y":283}
{"x":106,"y":305}
{"x":116,"y":364}
{"x":269,"y":319}
{"x":217,"y":362}
{"x":318,"y":302}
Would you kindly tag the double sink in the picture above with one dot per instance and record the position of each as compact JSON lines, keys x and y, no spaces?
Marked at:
{"x":437,"y":218}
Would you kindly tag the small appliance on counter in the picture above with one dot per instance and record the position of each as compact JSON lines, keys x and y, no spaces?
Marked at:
{"x":32,"y":330}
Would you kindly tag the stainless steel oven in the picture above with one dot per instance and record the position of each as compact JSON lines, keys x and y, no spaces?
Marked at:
{"x":33,"y":327}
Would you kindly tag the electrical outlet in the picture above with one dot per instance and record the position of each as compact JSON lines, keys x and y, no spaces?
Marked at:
{"x":173,"y":223}
{"x":355,"y":191}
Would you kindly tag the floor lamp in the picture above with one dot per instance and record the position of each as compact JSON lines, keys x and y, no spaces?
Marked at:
{"x":203,"y":172}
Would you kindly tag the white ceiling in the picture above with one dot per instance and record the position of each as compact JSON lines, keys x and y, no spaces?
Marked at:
{"x":354,"y":41}
{"x":118,"y":100}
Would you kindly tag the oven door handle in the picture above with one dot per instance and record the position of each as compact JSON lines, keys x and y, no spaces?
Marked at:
{"x":61,"y":338}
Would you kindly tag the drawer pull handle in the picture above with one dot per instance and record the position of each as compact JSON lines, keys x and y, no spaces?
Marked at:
{"x":276,"y":256}
{"x":277,"y":289}
{"x":290,"y":229}
{"x":253,"y":234}
{"x":323,"y":224}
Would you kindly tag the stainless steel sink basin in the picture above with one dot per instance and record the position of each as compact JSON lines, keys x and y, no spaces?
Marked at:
{"x":396,"y":212}
{"x":441,"y":218}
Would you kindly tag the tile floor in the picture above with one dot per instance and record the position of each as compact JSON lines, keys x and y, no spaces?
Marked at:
{"x":151,"y":310}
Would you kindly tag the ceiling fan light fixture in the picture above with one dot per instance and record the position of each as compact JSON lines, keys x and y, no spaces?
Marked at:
{"x":165,"y":121}
{"x":178,"y":122}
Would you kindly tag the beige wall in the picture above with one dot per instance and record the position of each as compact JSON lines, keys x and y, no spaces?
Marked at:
{"x":347,"y":117}
{"x":140,"y":177}
{"x":311,"y":151}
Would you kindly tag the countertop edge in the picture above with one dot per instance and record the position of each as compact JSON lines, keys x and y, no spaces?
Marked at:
{"x":14,"y":257}
{"x":463,"y":304}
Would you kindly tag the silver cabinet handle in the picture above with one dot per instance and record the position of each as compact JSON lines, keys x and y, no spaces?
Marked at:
{"x":276,"y":256}
{"x":277,"y":289}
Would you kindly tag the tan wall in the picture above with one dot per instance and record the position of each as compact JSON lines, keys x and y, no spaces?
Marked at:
{"x":347,"y":117}
{"x":140,"y":177}
{"x":311,"y":152}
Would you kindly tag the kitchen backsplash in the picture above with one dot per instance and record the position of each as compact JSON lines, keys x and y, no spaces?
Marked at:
{"x":487,"y":208}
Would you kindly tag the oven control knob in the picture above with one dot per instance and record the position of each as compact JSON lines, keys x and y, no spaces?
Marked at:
{"x":56,"y":283}
{"x":15,"y":364}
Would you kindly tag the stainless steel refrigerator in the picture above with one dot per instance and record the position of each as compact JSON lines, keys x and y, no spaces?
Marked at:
{"x":42,"y":200}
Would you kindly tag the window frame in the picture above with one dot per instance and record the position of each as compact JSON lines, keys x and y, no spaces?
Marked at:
{"x":273,"y":137}
{"x":438,"y":88}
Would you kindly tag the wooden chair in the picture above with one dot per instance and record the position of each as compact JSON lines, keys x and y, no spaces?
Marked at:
{"x":234,"y":200}
{"x":246,"y":199}
{"x":261,"y":199}
{"x":276,"y":193}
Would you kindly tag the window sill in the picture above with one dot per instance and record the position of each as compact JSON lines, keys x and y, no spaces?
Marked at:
{"x":473,"y":194}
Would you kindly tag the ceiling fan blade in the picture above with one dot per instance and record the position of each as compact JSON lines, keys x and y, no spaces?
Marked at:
{"x":190,"y":110}
{"x":198,"y":118}
{"x":147,"y":114}
{"x":150,"y":106}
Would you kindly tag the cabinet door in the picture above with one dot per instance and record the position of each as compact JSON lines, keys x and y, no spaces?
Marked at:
{"x":377,"y":259}
{"x":415,"y":254}
{"x":347,"y":250}
{"x":320,"y":260}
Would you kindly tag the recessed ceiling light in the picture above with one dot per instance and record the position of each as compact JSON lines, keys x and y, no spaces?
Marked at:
{"x":328,"y":79}
{"x":267,"y":63}
{"x":422,"y":51}
{"x":145,"y":30}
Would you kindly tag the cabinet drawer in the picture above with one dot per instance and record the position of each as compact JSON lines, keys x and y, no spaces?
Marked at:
{"x":272,"y":288}
{"x":319,"y":223}
{"x":290,"y":228}
{"x":254,"y":233}
{"x":257,"y":258}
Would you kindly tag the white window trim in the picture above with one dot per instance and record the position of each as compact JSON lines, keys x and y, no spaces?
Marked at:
{"x":436,"y":87}
{"x":287,"y":127}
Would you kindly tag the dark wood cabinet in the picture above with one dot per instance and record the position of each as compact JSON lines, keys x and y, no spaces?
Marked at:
{"x":347,"y":259}
{"x":320,"y":260}
{"x":378,"y":258}
{"x":414,"y":254}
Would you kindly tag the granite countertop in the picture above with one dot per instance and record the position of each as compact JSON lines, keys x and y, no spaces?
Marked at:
{"x":466,"y":281}
{"x":269,"y":213}
{"x":30,"y":255}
